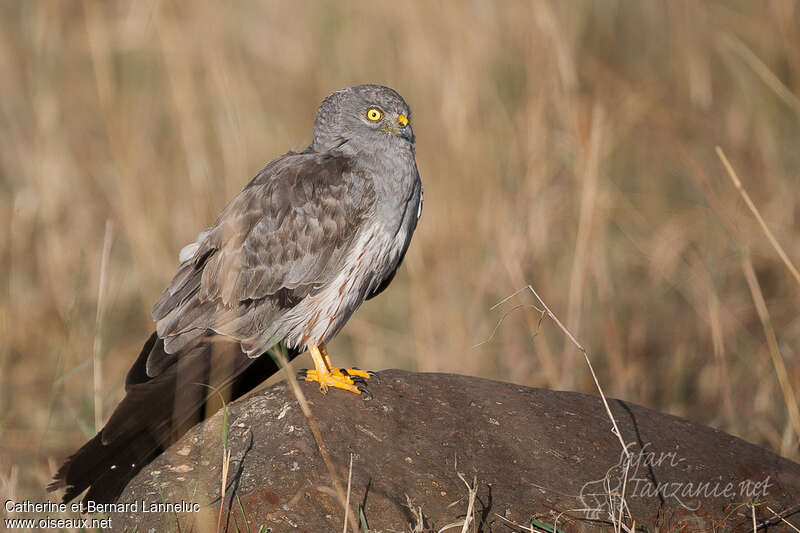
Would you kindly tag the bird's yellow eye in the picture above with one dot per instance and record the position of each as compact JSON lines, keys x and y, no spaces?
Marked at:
{"x":374,"y":114}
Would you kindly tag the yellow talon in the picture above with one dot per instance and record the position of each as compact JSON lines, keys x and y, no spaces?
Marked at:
{"x":358,"y":372}
{"x":339,"y":381}
{"x":327,"y":375}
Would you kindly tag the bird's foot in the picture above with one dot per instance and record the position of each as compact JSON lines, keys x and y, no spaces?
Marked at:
{"x":349,"y":379}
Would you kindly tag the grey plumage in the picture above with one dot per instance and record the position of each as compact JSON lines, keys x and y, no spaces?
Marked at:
{"x":288,"y":261}
{"x":308,"y":239}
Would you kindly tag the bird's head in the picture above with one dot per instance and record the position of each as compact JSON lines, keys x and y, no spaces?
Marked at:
{"x":366,"y":115}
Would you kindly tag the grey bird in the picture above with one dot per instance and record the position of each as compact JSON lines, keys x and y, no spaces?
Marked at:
{"x":288,"y":261}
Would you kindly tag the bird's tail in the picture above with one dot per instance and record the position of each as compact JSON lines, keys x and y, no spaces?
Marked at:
{"x":156,"y":411}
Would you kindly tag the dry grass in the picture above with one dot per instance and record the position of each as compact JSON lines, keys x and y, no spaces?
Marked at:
{"x":569,"y":145}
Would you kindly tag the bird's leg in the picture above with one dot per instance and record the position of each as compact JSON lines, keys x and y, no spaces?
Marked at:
{"x":324,"y":373}
{"x":320,"y":367}
{"x":346,"y":371}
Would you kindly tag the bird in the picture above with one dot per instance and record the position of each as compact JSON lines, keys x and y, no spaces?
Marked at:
{"x":293,"y":255}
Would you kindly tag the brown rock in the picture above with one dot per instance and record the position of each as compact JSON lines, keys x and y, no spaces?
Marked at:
{"x":536,"y":454}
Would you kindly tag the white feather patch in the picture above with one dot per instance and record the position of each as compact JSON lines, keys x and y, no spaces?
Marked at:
{"x":187,"y":252}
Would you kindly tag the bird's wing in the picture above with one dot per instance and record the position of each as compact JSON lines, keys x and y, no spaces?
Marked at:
{"x":282,"y":238}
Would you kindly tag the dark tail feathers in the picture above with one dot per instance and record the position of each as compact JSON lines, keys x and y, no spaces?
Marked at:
{"x":157,"y":411}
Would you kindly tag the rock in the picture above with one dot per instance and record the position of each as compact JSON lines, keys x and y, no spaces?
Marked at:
{"x":536,"y":454}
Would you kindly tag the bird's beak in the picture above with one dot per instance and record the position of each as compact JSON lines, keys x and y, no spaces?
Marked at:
{"x":405,"y":130}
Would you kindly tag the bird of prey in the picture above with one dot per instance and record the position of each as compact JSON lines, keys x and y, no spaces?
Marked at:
{"x":288,"y":261}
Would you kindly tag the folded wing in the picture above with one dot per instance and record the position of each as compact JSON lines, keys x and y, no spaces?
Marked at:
{"x":284,"y":237}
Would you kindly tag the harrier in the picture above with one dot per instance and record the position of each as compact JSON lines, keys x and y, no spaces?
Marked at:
{"x":288,"y":261}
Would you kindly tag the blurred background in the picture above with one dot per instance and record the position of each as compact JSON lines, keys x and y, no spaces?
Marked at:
{"x":566,"y":145}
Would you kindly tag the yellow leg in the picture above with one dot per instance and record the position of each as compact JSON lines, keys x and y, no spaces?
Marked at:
{"x":331,"y":368}
{"x":325,"y":356}
{"x":322,"y":362}
{"x":324,"y":373}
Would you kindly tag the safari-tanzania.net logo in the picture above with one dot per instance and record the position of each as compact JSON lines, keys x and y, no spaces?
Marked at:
{"x":637,"y":473}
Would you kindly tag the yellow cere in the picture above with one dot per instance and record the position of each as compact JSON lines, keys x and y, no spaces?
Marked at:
{"x":374,"y":114}
{"x":402,"y":120}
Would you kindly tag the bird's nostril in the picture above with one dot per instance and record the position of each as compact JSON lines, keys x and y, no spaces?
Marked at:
{"x":402,"y":120}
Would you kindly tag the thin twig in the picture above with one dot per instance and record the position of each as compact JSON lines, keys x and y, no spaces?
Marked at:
{"x":503,"y":318}
{"x":509,"y":297}
{"x":347,"y":500}
{"x":312,"y":423}
{"x":523,"y":528}
{"x":226,"y":463}
{"x":772,"y":343}
{"x":473,"y":491}
{"x":782,"y":519}
{"x":746,"y":197}
{"x":226,"y":452}
{"x":622,"y":503}
{"x":763,"y":71}
{"x":588,"y":201}
{"x":416,"y":513}
{"x":591,"y":368}
{"x":97,"y":345}
{"x":615,"y":428}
